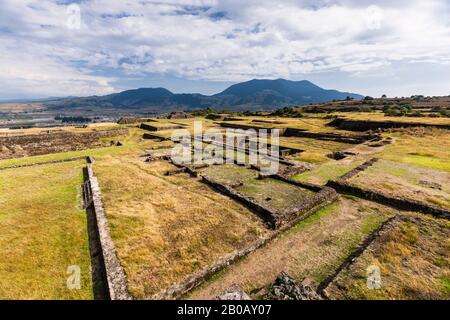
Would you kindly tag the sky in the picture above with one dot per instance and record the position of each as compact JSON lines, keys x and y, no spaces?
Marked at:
{"x":80,"y":48}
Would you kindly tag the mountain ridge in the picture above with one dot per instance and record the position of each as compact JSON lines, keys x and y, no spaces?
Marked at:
{"x":256,"y":94}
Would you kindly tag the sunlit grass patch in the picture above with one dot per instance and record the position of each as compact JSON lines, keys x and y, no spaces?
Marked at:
{"x":412,"y":260}
{"x":327,"y":171}
{"x":167,"y":227}
{"x":407,"y":181}
{"x":43,"y":231}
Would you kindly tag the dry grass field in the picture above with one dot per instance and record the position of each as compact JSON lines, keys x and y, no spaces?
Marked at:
{"x":419,"y":146}
{"x":414,"y":262}
{"x":406,"y":181}
{"x":43,"y":231}
{"x":166,"y":228}
{"x":379,"y":116}
{"x":314,"y":248}
{"x":270,"y":192}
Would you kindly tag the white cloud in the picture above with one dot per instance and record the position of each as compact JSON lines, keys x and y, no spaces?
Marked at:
{"x":180,"y":38}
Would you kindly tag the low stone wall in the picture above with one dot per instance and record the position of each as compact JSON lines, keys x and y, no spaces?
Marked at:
{"x":148,"y":127}
{"x":54,"y":142}
{"x":280,"y":159}
{"x":326,"y":195}
{"x":268,"y":121}
{"x":43,"y":163}
{"x":291,"y":132}
{"x":36,"y":138}
{"x":342,"y":185}
{"x":246,"y":127}
{"x":115,"y":276}
{"x":269,"y":216}
{"x":295,"y":132}
{"x":305,"y":185}
{"x":213,"y":116}
{"x":276,"y":218}
{"x":205,"y":274}
{"x":358,"y":169}
{"x":154,"y":137}
{"x":398,"y":203}
{"x":366,"y":125}
{"x":385,"y":226}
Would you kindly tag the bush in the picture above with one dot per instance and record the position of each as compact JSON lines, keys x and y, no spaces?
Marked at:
{"x":287,"y":112}
{"x":415,"y":114}
{"x":365,"y":109}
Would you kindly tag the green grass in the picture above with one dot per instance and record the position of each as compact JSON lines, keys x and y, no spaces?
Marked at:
{"x":274,"y":193}
{"x":406,"y":181}
{"x":320,"y":214}
{"x":406,"y":256}
{"x":270,"y":192}
{"x":327,"y":171}
{"x":131,"y":143}
{"x":43,"y":231}
{"x":167,"y":227}
{"x":430,"y":148}
{"x":445,"y":281}
{"x":229,"y":174}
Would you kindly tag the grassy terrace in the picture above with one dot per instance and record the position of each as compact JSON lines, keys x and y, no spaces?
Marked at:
{"x":379,"y":116}
{"x":270,"y":192}
{"x":43,"y":231}
{"x":74,"y":129}
{"x":314,"y":248}
{"x":313,"y":124}
{"x":131,"y":144}
{"x":167,"y":227}
{"x":316,"y":151}
{"x":413,"y":258}
{"x":330,"y":170}
{"x":407,"y":181}
{"x":423,"y":147}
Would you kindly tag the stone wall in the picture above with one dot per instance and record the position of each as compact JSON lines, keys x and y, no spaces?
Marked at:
{"x":154,"y":137}
{"x":342,"y":185}
{"x":385,"y":226}
{"x":206,"y":273}
{"x":43,"y":163}
{"x":366,"y":125}
{"x":246,"y":127}
{"x":55,"y":142}
{"x":114,"y":273}
{"x":352,"y":139}
{"x":295,"y":132}
{"x":269,"y":216}
{"x":149,"y":127}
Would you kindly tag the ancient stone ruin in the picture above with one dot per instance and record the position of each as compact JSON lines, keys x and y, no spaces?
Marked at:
{"x":54,"y":142}
{"x":286,"y":288}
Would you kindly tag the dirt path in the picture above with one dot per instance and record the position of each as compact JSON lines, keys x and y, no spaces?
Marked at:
{"x":313,"y":249}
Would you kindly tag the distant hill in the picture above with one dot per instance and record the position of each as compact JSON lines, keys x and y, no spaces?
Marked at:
{"x":250,"y":95}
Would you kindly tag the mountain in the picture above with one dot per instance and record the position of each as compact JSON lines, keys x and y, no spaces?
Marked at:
{"x":250,"y":95}
{"x":279,"y":92}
